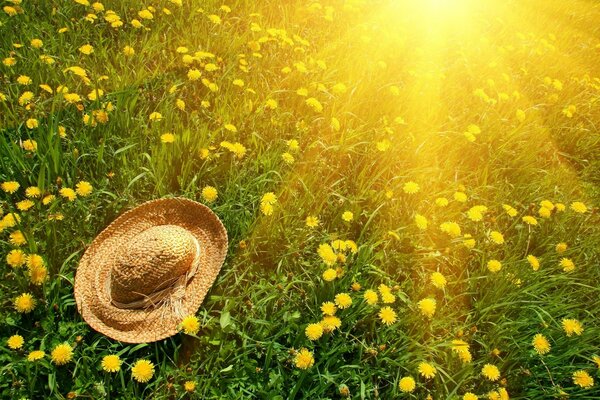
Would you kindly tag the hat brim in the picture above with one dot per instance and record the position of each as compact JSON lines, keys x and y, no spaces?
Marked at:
{"x":155,"y":323}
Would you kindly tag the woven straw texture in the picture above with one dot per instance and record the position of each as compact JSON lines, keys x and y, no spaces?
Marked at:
{"x":162,"y":249}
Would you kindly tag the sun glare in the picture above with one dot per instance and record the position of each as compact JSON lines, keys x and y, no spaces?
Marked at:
{"x":433,"y":17}
{"x":444,"y":8}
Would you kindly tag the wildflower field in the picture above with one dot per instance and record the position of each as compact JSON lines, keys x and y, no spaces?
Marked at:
{"x":410,"y":191}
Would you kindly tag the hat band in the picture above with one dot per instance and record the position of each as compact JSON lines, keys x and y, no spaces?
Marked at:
{"x":172,"y":294}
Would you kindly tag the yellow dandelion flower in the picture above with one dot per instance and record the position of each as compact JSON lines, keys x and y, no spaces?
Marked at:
{"x":269,"y":198}
{"x":293,"y":145}
{"x":155,"y":116}
{"x":438,"y":280}
{"x":9,"y":61}
{"x":83,"y":188}
{"x":17,"y":238}
{"x":209,"y":194}
{"x":461,"y":348}
{"x":544,"y":212}
{"x":338,"y":245}
{"x":387,"y":297}
{"x":111,"y":363}
{"x":95,"y":94}
{"x":128,"y":51}
{"x":407,"y":384}
{"x":86,"y":49}
{"x":529,"y":220}
{"x":236,"y":148}
{"x":329,"y":274}
{"x":304,"y":359}
{"x":29,"y":145}
{"x":72,"y":98}
{"x":371,"y":297}
{"x":33,"y":192}
{"x":325,"y":251}
{"x":312,"y":221}
{"x":10,"y":186}
{"x":16,"y":258}
{"x":541,"y":344}
{"x":35,"y":261}
{"x":26,"y":98}
{"x":48,"y":199}
{"x":343,"y":300}
{"x":351,"y":245}
{"x":32,"y":123}
{"x":38,"y":275}
{"x":142,"y":371}
{"x":411,"y":187}
{"x":330,"y":323}
{"x":567,"y":264}
{"x":15,"y":342}
{"x":314,"y":331}
{"x":62,"y":354}
{"x":582,"y":379}
{"x":68,"y":194}
{"x":494,"y":265}
{"x":534,"y":262}
{"x":475,"y":213}
{"x":383,"y":145}
{"x":426,"y":370}
{"x":497,"y":237}
{"x":579,"y":207}
{"x":387,"y":315}
{"x":215,"y":19}
{"x":427,"y":307}
{"x":145,"y":14}
{"x":10,"y":220}
{"x":266,"y":209}
{"x":190,"y":325}
{"x":271,"y":104}
{"x":24,"y":205}
{"x":461,"y":197}
{"x":421,"y":222}
{"x":167,"y":137}
{"x":288,"y":158}
{"x":572,"y":326}
{"x":509,"y":210}
{"x":35,"y":355}
{"x":441,"y":202}
{"x":347,"y":216}
{"x":189,"y":386}
{"x":451,"y":228}
{"x":314,"y":104}
{"x":468,"y":241}
{"x":561,"y":247}
{"x":491,"y":372}
{"x":24,"y":80}
{"x":10,"y":11}
{"x":328,"y":308}
{"x":194,"y":74}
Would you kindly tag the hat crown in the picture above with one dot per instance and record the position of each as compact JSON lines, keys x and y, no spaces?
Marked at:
{"x":152,"y":261}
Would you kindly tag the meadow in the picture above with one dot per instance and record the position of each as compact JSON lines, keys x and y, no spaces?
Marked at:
{"x":410,"y":190}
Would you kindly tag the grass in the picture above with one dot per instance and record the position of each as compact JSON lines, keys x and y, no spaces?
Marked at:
{"x":414,"y":79}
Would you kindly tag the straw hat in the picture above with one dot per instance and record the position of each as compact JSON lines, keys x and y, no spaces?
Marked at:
{"x":149,"y":269}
